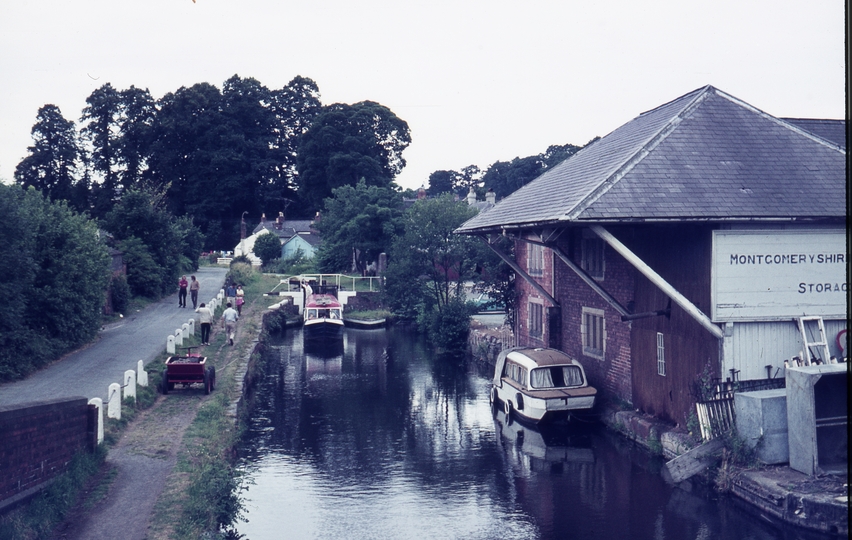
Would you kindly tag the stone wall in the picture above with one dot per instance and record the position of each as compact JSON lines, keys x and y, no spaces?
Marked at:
{"x":37,"y":442}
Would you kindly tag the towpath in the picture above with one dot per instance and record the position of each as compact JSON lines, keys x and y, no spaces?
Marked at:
{"x":89,"y":371}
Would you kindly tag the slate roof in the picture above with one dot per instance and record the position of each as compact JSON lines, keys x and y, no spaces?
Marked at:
{"x":706,"y":156}
{"x":287,"y":228}
{"x":830,"y":130}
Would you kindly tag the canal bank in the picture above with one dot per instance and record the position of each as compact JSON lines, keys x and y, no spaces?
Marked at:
{"x":780,"y":494}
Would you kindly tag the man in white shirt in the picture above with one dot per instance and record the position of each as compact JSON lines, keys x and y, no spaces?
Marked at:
{"x":229,"y":319}
{"x":205,"y":317}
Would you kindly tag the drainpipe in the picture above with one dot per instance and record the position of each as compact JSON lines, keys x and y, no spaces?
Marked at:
{"x":657,"y":280}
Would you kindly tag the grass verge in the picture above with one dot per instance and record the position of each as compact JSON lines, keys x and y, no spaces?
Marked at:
{"x":202,"y":497}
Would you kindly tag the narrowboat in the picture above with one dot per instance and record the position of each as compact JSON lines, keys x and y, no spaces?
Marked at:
{"x":323,"y":317}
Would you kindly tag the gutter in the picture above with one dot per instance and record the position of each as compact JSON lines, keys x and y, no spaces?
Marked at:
{"x":690,"y":308}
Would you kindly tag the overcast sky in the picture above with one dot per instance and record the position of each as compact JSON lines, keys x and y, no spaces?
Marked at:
{"x":477,"y":81}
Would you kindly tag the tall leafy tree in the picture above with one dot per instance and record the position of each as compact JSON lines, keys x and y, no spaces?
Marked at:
{"x":101,"y":129}
{"x":428,"y":264}
{"x":358,"y":224}
{"x":346,"y":143}
{"x":295,"y":106}
{"x":138,"y":110}
{"x":440,"y":182}
{"x":53,"y":160}
{"x":58,"y":277}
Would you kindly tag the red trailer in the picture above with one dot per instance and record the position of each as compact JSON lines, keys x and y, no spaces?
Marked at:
{"x":187,"y":370}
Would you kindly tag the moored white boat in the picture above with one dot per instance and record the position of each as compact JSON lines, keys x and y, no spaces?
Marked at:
{"x":538,"y":384}
{"x":323,"y":316}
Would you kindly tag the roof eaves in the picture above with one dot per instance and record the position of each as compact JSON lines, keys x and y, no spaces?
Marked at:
{"x":652,"y":142}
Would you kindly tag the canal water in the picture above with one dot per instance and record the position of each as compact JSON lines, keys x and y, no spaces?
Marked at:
{"x":376,"y":437}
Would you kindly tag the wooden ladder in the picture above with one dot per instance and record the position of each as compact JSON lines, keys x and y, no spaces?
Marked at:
{"x":823,"y":342}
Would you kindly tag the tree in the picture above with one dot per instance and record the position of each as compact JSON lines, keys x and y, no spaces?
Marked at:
{"x":101,"y":131}
{"x":160,"y":246}
{"x":346,"y":143}
{"x":506,"y":177}
{"x":428,"y":264}
{"x":440,"y":182}
{"x":295,"y":106}
{"x":267,"y":247}
{"x":138,"y":110}
{"x":359,"y":223}
{"x":53,"y":160}
{"x":58,"y":276}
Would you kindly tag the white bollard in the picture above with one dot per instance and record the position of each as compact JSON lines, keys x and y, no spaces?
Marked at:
{"x":114,"y":401}
{"x":130,"y":384}
{"x":170,"y":345}
{"x":141,"y":374}
{"x":191,"y":324}
{"x":221,"y":294}
{"x":99,"y":404}
{"x":185,"y":330}
{"x":178,"y":337}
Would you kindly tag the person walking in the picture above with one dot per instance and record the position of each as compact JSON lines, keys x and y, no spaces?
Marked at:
{"x":231,"y":294}
{"x":205,"y":318}
{"x":183,"y":283}
{"x":240,"y":300}
{"x":194,"y":286}
{"x":229,"y":319}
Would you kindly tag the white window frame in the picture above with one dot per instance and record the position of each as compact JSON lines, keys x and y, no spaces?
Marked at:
{"x":535,"y":260}
{"x":661,"y":354}
{"x":593,"y":336}
{"x":592,"y":254}
{"x":530,"y":319}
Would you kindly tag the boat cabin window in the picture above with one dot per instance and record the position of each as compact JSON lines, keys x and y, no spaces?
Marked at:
{"x":516,"y":373}
{"x":335,"y":313}
{"x":323,"y":314}
{"x":557,"y":377}
{"x":312,"y":314}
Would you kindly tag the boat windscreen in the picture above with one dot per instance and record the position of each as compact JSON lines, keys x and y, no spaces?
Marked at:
{"x":556,"y":377}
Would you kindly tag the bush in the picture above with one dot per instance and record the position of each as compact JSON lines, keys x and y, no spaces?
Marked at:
{"x":119,"y":293}
{"x":449,"y":327}
{"x":60,"y":270}
{"x":241,"y":273}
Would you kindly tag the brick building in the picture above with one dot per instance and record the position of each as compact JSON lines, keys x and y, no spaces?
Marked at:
{"x":650,"y":255}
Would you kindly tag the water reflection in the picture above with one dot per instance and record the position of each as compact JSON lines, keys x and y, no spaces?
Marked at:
{"x":377,"y":438}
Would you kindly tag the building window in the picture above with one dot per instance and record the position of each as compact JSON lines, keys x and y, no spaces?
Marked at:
{"x":594,"y":333}
{"x":592,"y":254}
{"x":661,"y":355}
{"x":535,"y":260}
{"x":536,"y":320}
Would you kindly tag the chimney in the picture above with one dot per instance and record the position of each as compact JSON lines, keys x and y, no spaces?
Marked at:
{"x":263,"y":218}
{"x":471,"y":196}
{"x":421,"y":193}
{"x":279,"y":220}
{"x":490,"y":196}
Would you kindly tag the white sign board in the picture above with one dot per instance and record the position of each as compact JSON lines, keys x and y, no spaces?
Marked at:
{"x":763,"y":275}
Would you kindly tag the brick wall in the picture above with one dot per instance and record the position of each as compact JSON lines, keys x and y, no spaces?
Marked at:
{"x":37,"y":441}
{"x":612,"y":374}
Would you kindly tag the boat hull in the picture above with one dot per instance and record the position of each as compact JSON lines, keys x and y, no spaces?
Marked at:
{"x":536,"y":410}
{"x":323,"y":328}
